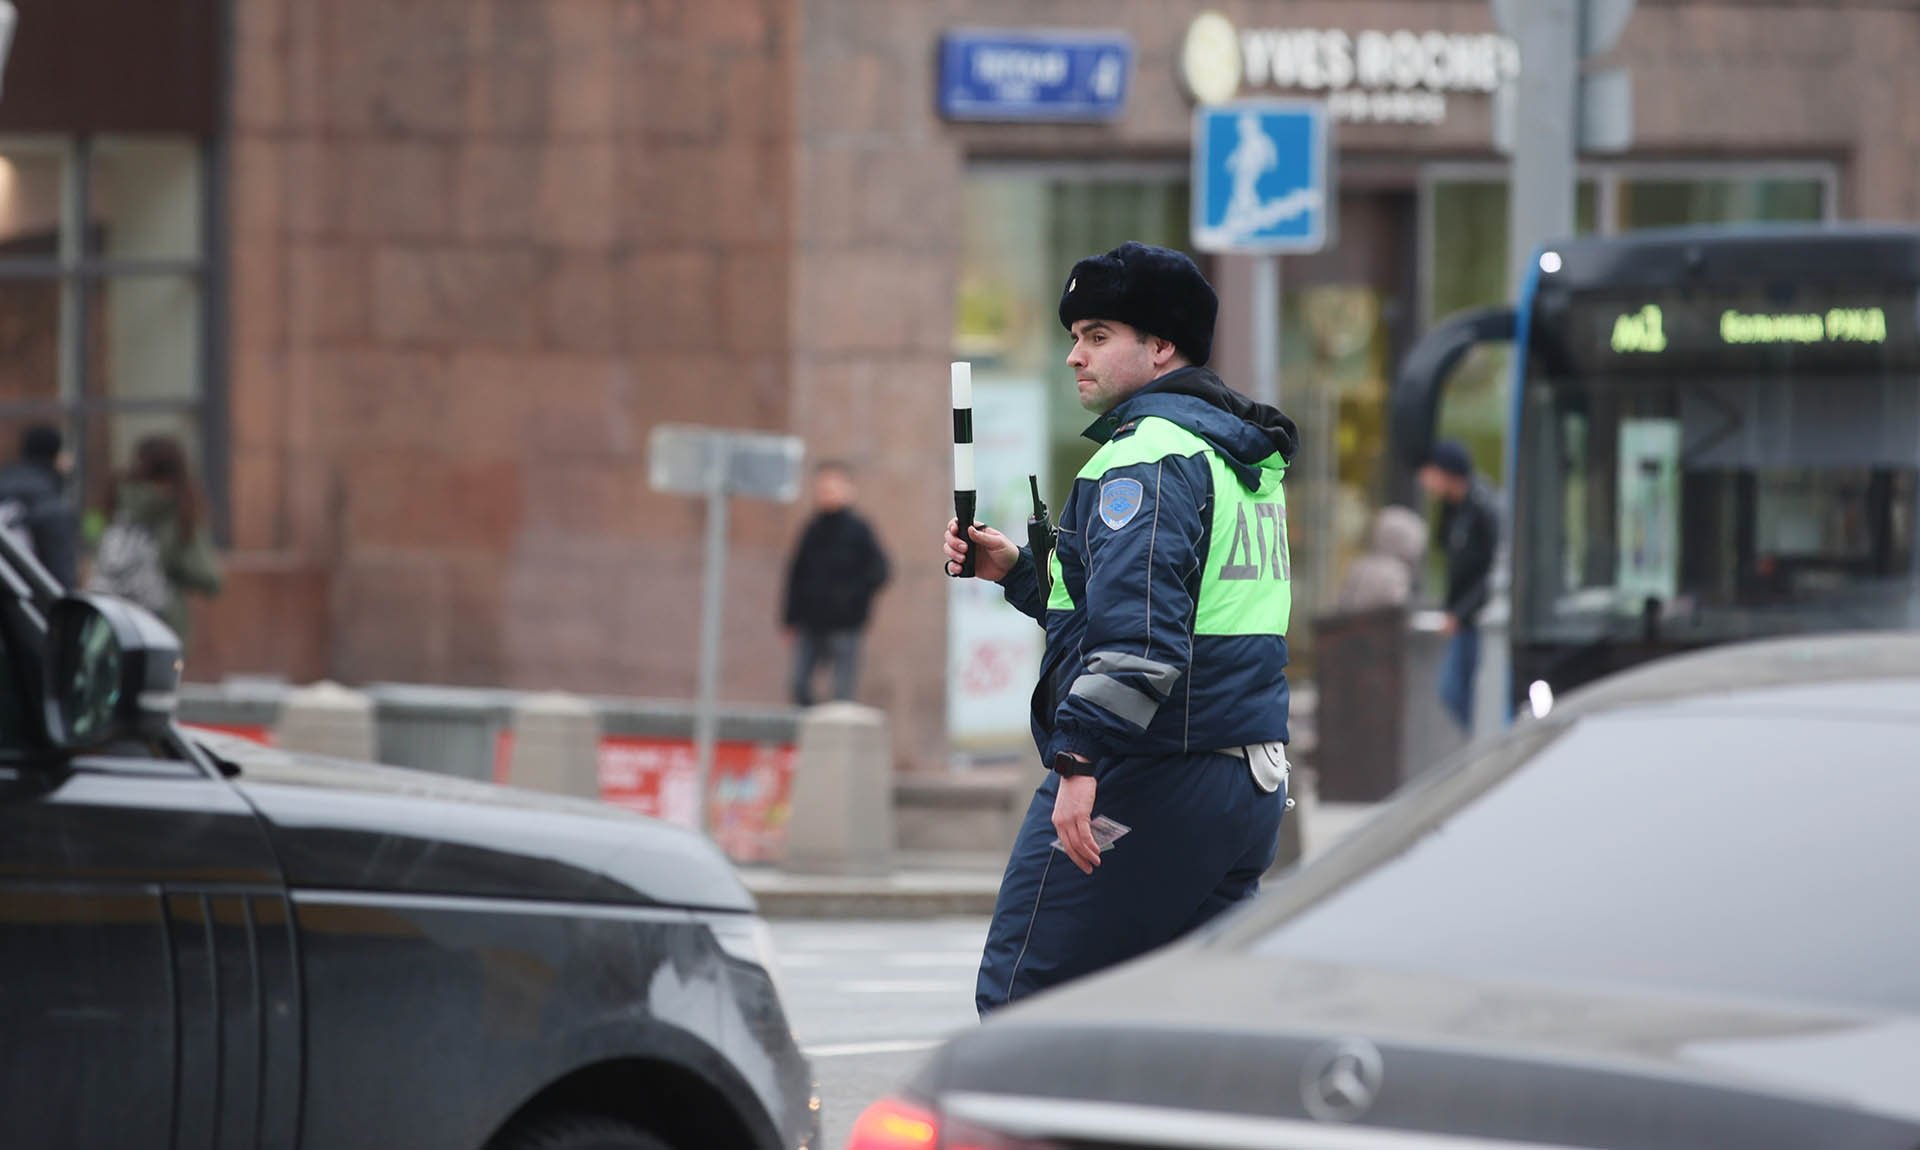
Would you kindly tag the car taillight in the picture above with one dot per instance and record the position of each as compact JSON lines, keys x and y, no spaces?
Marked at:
{"x":896,"y":1124}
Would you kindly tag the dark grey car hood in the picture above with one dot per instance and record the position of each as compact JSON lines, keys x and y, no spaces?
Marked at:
{"x":342,"y":825}
{"x":1221,"y":1030}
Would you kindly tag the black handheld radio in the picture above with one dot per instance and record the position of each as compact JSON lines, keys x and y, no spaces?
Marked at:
{"x":1040,"y":539}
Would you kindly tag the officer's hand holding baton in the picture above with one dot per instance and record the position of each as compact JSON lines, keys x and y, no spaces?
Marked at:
{"x":964,"y":495}
{"x":993,"y":553}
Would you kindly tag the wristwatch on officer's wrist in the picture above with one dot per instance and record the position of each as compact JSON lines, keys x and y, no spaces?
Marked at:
{"x":1070,"y":766}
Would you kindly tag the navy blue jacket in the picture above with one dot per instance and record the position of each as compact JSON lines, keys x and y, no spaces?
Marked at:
{"x":1126,"y":671}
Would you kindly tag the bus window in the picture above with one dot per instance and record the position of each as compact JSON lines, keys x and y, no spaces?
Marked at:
{"x":1704,"y":510}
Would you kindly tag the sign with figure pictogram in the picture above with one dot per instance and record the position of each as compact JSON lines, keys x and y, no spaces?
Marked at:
{"x":1261,"y":180}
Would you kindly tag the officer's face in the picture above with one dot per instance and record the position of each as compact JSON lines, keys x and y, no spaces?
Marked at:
{"x":1111,"y":361}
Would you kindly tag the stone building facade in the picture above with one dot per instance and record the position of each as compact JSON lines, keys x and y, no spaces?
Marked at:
{"x":459,"y":258}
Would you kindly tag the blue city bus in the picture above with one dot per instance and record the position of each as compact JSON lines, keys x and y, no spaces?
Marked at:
{"x":1715,"y":435}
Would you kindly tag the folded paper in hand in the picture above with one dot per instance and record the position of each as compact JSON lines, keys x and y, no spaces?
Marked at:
{"x":1106,"y":832}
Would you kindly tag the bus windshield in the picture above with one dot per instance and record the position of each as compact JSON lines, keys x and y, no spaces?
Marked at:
{"x":1706,"y":465}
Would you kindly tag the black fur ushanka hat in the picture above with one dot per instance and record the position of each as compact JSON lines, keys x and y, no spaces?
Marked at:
{"x":1155,"y":290}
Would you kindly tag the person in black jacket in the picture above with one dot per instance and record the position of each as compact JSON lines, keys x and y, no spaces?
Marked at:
{"x":837,"y":569}
{"x":33,"y":502}
{"x":1470,"y":533}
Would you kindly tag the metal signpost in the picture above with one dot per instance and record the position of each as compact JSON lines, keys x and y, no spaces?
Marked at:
{"x":1263,"y":185}
{"x":9,"y":20}
{"x":718,"y":464}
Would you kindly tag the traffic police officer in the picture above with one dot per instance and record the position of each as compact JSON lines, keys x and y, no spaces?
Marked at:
{"x":1162,"y":701}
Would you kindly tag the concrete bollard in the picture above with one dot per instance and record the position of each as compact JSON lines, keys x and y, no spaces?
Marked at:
{"x":842,"y":813}
{"x":327,"y":719}
{"x":556,"y":746}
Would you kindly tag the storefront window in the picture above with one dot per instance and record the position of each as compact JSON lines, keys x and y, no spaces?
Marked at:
{"x":1658,"y":203}
{"x":1023,"y":231}
{"x":33,"y":195}
{"x":103,"y":269}
{"x":145,"y":198}
{"x":1335,"y":368}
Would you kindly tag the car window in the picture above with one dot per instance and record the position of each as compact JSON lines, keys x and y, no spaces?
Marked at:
{"x":1687,"y":851}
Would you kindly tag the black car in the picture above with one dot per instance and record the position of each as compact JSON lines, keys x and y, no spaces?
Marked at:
{"x":208,"y":943}
{"x":1677,"y":911}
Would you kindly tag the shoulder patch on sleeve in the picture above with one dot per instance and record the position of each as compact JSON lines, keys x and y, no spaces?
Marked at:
{"x":1120,"y":501}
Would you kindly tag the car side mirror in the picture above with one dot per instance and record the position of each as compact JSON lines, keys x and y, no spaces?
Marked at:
{"x":113,"y":672}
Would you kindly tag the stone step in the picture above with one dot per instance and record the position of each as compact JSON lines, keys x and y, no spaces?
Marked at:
{"x":972,"y":811}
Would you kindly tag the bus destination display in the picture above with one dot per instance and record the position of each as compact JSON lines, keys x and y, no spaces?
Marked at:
{"x":1748,"y":331}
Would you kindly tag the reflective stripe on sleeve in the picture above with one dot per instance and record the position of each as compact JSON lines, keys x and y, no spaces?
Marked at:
{"x":1160,"y":676}
{"x":1123,"y":701}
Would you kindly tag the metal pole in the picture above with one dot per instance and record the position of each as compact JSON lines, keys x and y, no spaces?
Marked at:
{"x":1266,"y":329}
{"x":1543,"y":139}
{"x":9,"y":20}
{"x":712,"y":598}
{"x":1541,"y":209}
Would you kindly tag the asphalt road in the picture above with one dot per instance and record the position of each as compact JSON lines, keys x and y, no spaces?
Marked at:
{"x":870,"y":999}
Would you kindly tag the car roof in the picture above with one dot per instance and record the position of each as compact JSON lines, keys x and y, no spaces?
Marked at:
{"x":1874,"y":671}
{"x":1851,"y":675}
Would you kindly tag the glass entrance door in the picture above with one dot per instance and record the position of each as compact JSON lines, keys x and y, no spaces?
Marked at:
{"x":1345,"y":319}
{"x":1024,"y":228}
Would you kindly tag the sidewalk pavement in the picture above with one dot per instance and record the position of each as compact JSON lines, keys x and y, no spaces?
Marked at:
{"x":934,"y":884}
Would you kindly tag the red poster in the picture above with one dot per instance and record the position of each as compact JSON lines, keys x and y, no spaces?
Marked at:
{"x":749,"y":800}
{"x":256,"y":734}
{"x":748,"y":803}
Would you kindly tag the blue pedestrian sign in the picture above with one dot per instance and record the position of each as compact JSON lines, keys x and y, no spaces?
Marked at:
{"x":1260,"y":177}
{"x":1034,"y":75}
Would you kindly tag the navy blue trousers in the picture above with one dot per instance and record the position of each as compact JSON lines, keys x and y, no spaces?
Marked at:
{"x":1202,"y":835}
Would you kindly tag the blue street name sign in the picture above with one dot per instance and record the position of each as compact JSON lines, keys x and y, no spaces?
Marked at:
{"x":1260,"y":177}
{"x":1034,"y":75}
